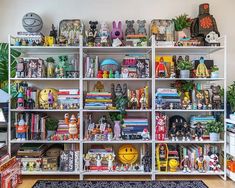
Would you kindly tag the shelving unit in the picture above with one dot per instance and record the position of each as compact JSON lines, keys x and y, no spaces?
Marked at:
{"x":153,"y":82}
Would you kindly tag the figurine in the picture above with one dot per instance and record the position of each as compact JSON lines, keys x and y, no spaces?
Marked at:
{"x":104,"y":34}
{"x":141,"y":27}
{"x":38,"y":165}
{"x":99,"y":87}
{"x":202,"y":71}
{"x":117,"y":32}
{"x":100,"y":74}
{"x":198,"y":132}
{"x":200,"y":164}
{"x":21,"y":129}
{"x":160,"y":127}
{"x":130,"y":27}
{"x":24,"y":165}
{"x":147,"y":162}
{"x":53,"y":32}
{"x":20,"y":68}
{"x":105,"y":74}
{"x":90,"y":73}
{"x":134,"y":101}
{"x":214,"y":163}
{"x":117,"y":130}
{"x":161,"y":70}
{"x":87,"y":160}
{"x":143,"y":101}
{"x":159,"y":103}
{"x":171,"y":106}
{"x":111,"y":74}
{"x":173,"y":164}
{"x":50,"y":100}
{"x":31,"y":165}
{"x":73,"y":128}
{"x":90,"y":38}
{"x":185,"y":164}
{"x":117,"y":75}
{"x":110,"y":159}
{"x":185,"y":131}
{"x":20,"y":100}
{"x":145,"y":134}
{"x":185,"y":102}
{"x":66,"y":119}
{"x":173,"y":132}
{"x":98,"y":161}
{"x":216,"y":98}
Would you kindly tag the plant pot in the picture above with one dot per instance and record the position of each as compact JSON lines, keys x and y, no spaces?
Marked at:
{"x":179,"y":35}
{"x":215,"y":74}
{"x":214,"y":136}
{"x":50,"y":133}
{"x":184,"y":74}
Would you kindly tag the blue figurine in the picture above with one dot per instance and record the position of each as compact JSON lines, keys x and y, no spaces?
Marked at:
{"x":117,"y":75}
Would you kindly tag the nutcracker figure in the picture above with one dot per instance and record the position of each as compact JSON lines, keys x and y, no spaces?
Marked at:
{"x":160,"y":126}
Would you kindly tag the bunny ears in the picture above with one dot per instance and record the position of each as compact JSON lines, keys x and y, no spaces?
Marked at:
{"x":119,"y":24}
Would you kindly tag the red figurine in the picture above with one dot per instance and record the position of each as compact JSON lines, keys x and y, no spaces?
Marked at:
{"x":160,"y":126}
{"x":100,"y":74}
{"x":161,"y":70}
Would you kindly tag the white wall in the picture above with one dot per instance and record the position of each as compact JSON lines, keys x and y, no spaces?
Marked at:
{"x":52,"y":11}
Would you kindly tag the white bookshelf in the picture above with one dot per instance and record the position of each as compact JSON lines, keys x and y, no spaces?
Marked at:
{"x":152,"y":51}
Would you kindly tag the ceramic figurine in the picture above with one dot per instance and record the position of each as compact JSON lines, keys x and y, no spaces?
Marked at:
{"x":98,"y":161}
{"x":145,"y":134}
{"x":173,"y":132}
{"x":134,"y":101}
{"x":110,"y":159}
{"x":105,"y":74}
{"x":117,"y":75}
{"x":87,"y":160}
{"x":216,"y":98}
{"x":143,"y":101}
{"x":130,"y":27}
{"x":200,"y":164}
{"x":117,"y":130}
{"x":202,"y":71}
{"x":147,"y":162}
{"x":185,"y":164}
{"x":100,"y":74}
{"x":20,"y":68}
{"x":214,"y":163}
{"x":73,"y":128}
{"x":20,"y":100}
{"x":111,"y":74}
{"x":50,"y":100}
{"x":185,"y":131}
{"x":161,"y":70}
{"x":21,"y":129}
{"x":198,"y":132}
{"x":141,"y":27}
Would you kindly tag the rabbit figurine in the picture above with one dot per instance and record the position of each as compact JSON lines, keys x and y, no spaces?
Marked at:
{"x":117,"y":31}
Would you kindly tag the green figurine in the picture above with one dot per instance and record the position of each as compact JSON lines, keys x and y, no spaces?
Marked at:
{"x":111,"y":75}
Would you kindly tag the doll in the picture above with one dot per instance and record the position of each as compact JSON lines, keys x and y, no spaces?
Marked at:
{"x":143,"y":101}
{"x":98,"y":161}
{"x":161,"y":70}
{"x":185,"y":164}
{"x":134,"y":101}
{"x":87,"y":159}
{"x":73,"y":128}
{"x":200,"y":164}
{"x":110,"y":159}
{"x":173,"y":132}
{"x":202,"y":71}
{"x":198,"y":132}
{"x":185,"y":131}
{"x":21,"y":129}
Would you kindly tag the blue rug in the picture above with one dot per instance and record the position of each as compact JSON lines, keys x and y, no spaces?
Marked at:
{"x":119,"y":184}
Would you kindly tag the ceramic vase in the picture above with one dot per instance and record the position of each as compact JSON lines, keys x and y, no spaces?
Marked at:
{"x":214,"y":136}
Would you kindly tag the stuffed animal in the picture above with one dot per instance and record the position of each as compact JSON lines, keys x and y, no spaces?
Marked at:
{"x":216,"y":98}
{"x":117,"y":31}
{"x":141,"y":27}
{"x":130,"y":27}
{"x":214,"y":163}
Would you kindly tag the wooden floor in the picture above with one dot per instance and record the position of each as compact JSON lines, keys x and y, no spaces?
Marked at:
{"x":210,"y":181}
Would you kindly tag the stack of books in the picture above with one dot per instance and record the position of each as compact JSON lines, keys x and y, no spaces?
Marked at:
{"x":68,"y":98}
{"x":98,"y":100}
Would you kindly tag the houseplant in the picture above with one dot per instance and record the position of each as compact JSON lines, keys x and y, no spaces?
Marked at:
{"x":215,"y":72}
{"x":231,"y":97}
{"x":182,"y":24}
{"x":184,"y":66}
{"x":51,"y":126}
{"x":50,"y":67}
{"x":214,"y":128}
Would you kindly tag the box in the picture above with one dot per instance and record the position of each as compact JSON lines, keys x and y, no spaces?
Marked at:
{"x":50,"y":163}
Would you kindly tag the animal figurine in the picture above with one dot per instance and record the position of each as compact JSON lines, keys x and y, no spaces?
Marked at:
{"x":93,"y":26}
{"x":73,"y":128}
{"x":185,"y":164}
{"x":117,"y":31}
{"x":141,"y":27}
{"x":214,"y":163}
{"x":130,"y":27}
{"x":147,"y":162}
{"x":21,"y":129}
{"x":185,"y":131}
{"x":198,"y":132}
{"x":21,"y":68}
{"x":117,"y":75}
{"x":117,"y":130}
{"x":216,"y":98}
{"x":110,"y":158}
{"x":202,"y":71}
{"x":200,"y":164}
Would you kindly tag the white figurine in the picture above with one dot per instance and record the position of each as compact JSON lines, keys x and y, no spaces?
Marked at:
{"x":110,"y":159}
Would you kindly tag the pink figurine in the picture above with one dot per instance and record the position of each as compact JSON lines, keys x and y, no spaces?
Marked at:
{"x":160,"y":127}
{"x":117,"y":31}
{"x":117,"y":130}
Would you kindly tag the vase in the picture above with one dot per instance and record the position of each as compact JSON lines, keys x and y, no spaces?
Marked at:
{"x":50,"y":133}
{"x":184,"y":73}
{"x":117,"y":130}
{"x":215,"y":74}
{"x":214,"y":136}
{"x":184,"y":34}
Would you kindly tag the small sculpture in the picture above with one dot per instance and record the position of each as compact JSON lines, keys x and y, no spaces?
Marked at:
{"x":173,"y":132}
{"x":141,"y":27}
{"x":21,"y":129}
{"x":147,"y":162}
{"x":185,"y":164}
{"x":143,"y":101}
{"x":104,"y":34}
{"x":173,"y":164}
{"x":53,"y":32}
{"x":185,"y":102}
{"x":216,"y":98}
{"x":117,"y":34}
{"x":90,"y":73}
{"x":185,"y":131}
{"x":134,"y":101}
{"x":130,"y":27}
{"x":159,"y":103}
{"x":98,"y":161}
{"x":214,"y":163}
{"x":198,"y":132}
{"x":117,"y":75}
{"x":202,"y":71}
{"x":105,"y":74}
{"x":145,"y":134}
{"x":99,"y":87}
{"x":200,"y":164}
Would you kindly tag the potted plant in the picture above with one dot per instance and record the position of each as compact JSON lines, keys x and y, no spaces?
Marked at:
{"x":182,"y":24}
{"x":184,"y":66}
{"x":50,"y":67}
{"x":215,"y":72}
{"x":231,"y":97}
{"x":214,"y":129}
{"x":51,"y":126}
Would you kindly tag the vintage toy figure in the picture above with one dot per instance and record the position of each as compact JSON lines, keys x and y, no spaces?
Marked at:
{"x":98,"y":159}
{"x":117,"y":130}
{"x":130,"y":27}
{"x":216,"y":98}
{"x":87,"y":159}
{"x":161,"y":70}
{"x":214,"y":163}
{"x":185,"y":164}
{"x":201,"y":71}
{"x":198,"y":132}
{"x":110,"y":158}
{"x":134,"y":103}
{"x":185,"y":131}
{"x":117,"y":31}
{"x":141,"y":27}
{"x":143,"y":101}
{"x":73,"y":128}
{"x":147,"y":162}
{"x":20,"y":68}
{"x":174,"y":132}
{"x":21,"y":129}
{"x":200,"y":164}
{"x":20,"y":100}
{"x":160,"y":126}
{"x":145,"y":134}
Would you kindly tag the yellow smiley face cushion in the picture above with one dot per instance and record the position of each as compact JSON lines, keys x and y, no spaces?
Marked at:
{"x":128,"y":154}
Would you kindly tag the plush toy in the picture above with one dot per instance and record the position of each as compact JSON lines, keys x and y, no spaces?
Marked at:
{"x":130,"y":27}
{"x":117,"y":31}
{"x":141,"y":27}
{"x":216,"y":98}
{"x":214,"y":163}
